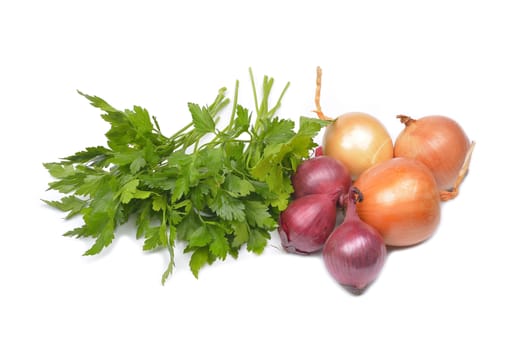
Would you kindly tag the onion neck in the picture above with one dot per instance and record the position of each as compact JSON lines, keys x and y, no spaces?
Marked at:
{"x":405,"y":119}
{"x":353,"y":197}
{"x":318,"y":110}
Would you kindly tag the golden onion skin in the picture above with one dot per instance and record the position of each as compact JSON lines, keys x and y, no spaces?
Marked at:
{"x":359,"y":141}
{"x":401,"y":200}
{"x":438,"y":142}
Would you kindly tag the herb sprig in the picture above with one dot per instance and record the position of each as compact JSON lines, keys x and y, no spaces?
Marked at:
{"x":213,"y":190}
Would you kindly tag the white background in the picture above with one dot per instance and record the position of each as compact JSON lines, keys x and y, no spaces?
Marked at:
{"x":464,"y":288}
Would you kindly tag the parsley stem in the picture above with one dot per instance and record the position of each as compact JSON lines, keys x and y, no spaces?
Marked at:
{"x":219,"y":141}
{"x":254,"y":90}
{"x":271,"y":113}
{"x":181,"y":131}
{"x":234,"y":107}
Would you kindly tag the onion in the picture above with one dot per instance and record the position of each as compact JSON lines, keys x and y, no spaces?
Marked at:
{"x":321,"y":174}
{"x":307,"y":222}
{"x":441,"y":144}
{"x":355,"y":252}
{"x":356,"y":139}
{"x":401,"y":200}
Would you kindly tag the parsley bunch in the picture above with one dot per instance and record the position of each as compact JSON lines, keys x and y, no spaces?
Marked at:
{"x":212,"y":189}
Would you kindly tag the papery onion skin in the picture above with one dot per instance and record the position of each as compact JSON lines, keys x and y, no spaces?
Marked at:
{"x":401,"y":200}
{"x":358,"y":140}
{"x":355,"y":252}
{"x":307,"y":222}
{"x":320,"y":174}
{"x":438,"y":142}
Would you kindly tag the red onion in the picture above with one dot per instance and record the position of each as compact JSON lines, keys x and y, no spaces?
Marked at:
{"x":321,"y":174}
{"x":355,"y":252}
{"x":307,"y":222}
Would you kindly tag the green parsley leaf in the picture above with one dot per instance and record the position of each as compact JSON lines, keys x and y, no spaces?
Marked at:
{"x":226,"y":206}
{"x":141,"y":121}
{"x":241,"y":233}
{"x":201,"y":237}
{"x":198,"y":259}
{"x":202,"y":119}
{"x":130,"y":191}
{"x":152,"y":238}
{"x":94,"y":156}
{"x":257,"y":215}
{"x":257,"y":240}
{"x":79,"y":232}
{"x":72,"y":204}
{"x":237,"y":186}
{"x":159,"y":203}
{"x":102,"y":226}
{"x":278,"y":131}
{"x":219,"y":246}
{"x":60,"y":170}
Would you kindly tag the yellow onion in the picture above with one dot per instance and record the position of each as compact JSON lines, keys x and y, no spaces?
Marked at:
{"x":358,"y":140}
{"x":401,"y":200}
{"x":441,"y":144}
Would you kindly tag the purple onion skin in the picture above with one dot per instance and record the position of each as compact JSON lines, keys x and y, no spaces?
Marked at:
{"x":307,"y":222}
{"x":355,"y":252}
{"x":321,"y":174}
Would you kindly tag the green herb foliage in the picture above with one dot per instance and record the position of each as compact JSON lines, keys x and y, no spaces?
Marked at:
{"x":212,"y":189}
